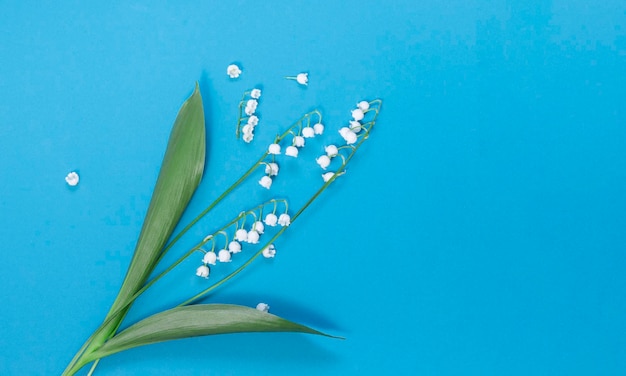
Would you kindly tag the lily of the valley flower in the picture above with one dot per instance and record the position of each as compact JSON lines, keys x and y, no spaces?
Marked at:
{"x":358,"y":114}
{"x":331,"y":150}
{"x":72,"y":179}
{"x":253,"y":120}
{"x":209,"y":258}
{"x":224,"y":255}
{"x":241,"y":235}
{"x":284,"y":219}
{"x":298,"y":141}
{"x":203,"y":271}
{"x":348,"y":135}
{"x":291,"y":151}
{"x":274,"y":149}
{"x":255,"y":93}
{"x":233,"y":71}
{"x":363,"y":105}
{"x":271,"y":169}
{"x":308,"y":132}
{"x":263,"y":307}
{"x":323,"y":161}
{"x":355,"y":126}
{"x":269,"y":251}
{"x":253,"y":237}
{"x":258,"y":227}
{"x":271,"y":219}
{"x":234,"y":247}
{"x":266,"y":182}
{"x":248,"y":137}
{"x":318,"y":128}
{"x":251,"y":106}
{"x":302,"y":78}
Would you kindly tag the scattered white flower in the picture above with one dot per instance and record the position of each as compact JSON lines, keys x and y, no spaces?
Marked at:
{"x":271,"y":219}
{"x":327,"y":176}
{"x":253,"y":237}
{"x":358,"y":114}
{"x":248,"y":137}
{"x":253,"y":120}
{"x":331,"y":150}
{"x":298,"y":141}
{"x":284,"y":219}
{"x":274,"y":149}
{"x":266,"y":182}
{"x":72,"y":179}
{"x":263,"y":307}
{"x":355,"y":126}
{"x":258,"y":227}
{"x":241,"y":235}
{"x":209,"y":258}
{"x":318,"y":128}
{"x":308,"y":132}
{"x":251,"y":106}
{"x":269,"y":251}
{"x":323,"y":161}
{"x":224,"y":255}
{"x":291,"y":151}
{"x":233,"y":71}
{"x":348,"y":135}
{"x":302,"y":78}
{"x":234,"y":246}
{"x":203,"y":271}
{"x":255,"y":93}
{"x":271,"y":169}
{"x":363,"y":105}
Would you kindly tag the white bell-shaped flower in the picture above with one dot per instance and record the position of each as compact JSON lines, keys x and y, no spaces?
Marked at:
{"x":234,"y":247}
{"x":269,"y":251}
{"x":308,"y":132}
{"x":302,"y":78}
{"x":358,"y":114}
{"x":248,"y":137}
{"x":203,"y":271}
{"x":258,"y":227}
{"x":318,"y":128}
{"x":298,"y":141}
{"x":248,"y":128}
{"x":284,"y":219}
{"x":72,"y":179}
{"x":253,"y":120}
{"x":233,"y":71}
{"x":355,"y":126}
{"x":263,"y":307}
{"x":251,"y":106}
{"x":223,"y":255}
{"x":241,"y":235}
{"x":274,"y":149}
{"x":209,"y":258}
{"x":266,"y":182}
{"x":331,"y":150}
{"x":327,"y":176}
{"x":323,"y":161}
{"x":291,"y":151}
{"x":348,"y":135}
{"x":363,"y":105}
{"x":253,"y":237}
{"x":271,"y":169}
{"x":271,"y":220}
{"x":255,"y":93}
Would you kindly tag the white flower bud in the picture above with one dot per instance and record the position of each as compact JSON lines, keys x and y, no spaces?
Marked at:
{"x":269,"y":251}
{"x":258,"y":227}
{"x":203,"y":271}
{"x":255,"y":93}
{"x":363,"y":105}
{"x":318,"y":128}
{"x":209,"y":258}
{"x":284,"y":219}
{"x":233,"y":71}
{"x":302,"y":78}
{"x":72,"y":179}
{"x":298,"y":141}
{"x":355,"y":126}
{"x":291,"y":151}
{"x":241,"y":235}
{"x":274,"y":149}
{"x":266,"y":182}
{"x":323,"y":161}
{"x":308,"y":132}
{"x":331,"y":150}
{"x":271,"y":219}
{"x":224,"y":255}
{"x":327,"y":176}
{"x":357,"y":114}
{"x":253,"y":237}
{"x":263,"y":307}
{"x":234,"y":247}
{"x":253,"y":120}
{"x":271,"y":169}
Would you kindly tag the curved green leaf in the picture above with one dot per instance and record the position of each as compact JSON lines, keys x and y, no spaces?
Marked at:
{"x":180,"y":174}
{"x":197,"y":320}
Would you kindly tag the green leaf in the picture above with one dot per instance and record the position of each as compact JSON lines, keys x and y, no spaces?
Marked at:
{"x":181,"y":172}
{"x":197,"y":320}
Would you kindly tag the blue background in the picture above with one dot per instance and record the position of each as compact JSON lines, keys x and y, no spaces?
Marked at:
{"x":480,"y":230}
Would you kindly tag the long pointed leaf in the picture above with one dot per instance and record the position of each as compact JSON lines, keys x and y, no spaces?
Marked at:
{"x":197,"y":320}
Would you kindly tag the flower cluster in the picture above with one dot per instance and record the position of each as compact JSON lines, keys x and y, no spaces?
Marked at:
{"x":350,"y":133}
{"x":241,"y":235}
{"x":247,"y":109}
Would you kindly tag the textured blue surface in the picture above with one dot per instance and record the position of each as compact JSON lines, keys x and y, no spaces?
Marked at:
{"x":480,"y":230}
